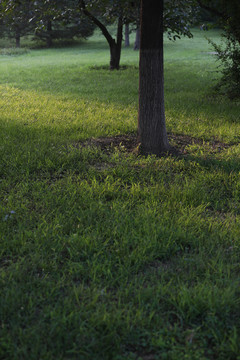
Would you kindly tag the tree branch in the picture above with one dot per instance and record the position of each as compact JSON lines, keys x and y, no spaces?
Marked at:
{"x":101,"y":26}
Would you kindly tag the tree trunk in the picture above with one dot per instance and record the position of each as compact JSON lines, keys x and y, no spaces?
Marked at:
{"x":114,"y":57}
{"x":137,"y":40}
{"x":49,"y":33}
{"x":127,"y":42}
{"x":17,"y":39}
{"x":151,"y":116}
{"x":116,"y":47}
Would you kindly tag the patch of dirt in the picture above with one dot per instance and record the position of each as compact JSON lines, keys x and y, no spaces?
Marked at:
{"x":183,"y":141}
{"x":130,"y":143}
{"x":127,"y":142}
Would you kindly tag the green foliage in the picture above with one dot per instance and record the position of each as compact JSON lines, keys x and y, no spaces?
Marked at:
{"x":106,"y":255}
{"x":228,"y":13}
{"x":48,"y":20}
{"x":65,"y":17}
{"x":229,"y":55}
{"x":79,"y":27}
{"x":178,"y":16}
{"x":15,"y":18}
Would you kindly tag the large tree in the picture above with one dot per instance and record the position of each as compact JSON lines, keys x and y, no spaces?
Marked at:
{"x":102,"y":12}
{"x":151,"y":116}
{"x":154,"y":20}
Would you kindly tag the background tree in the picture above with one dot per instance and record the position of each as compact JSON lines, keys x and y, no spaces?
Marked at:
{"x":137,"y":39}
{"x":48,"y":20}
{"x":127,"y":32}
{"x":16,"y":19}
{"x":60,"y":19}
{"x":101,"y":12}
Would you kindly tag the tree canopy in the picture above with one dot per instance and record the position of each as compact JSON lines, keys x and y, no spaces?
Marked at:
{"x":16,"y":18}
{"x":48,"y":20}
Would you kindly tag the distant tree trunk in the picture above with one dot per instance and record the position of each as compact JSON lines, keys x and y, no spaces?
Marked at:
{"x":137,"y":40}
{"x":127,"y":42}
{"x":151,"y":116}
{"x":116,"y":47}
{"x":49,"y":33}
{"x":17,"y":39}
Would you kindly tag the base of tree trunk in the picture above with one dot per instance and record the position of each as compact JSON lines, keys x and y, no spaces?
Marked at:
{"x":115,"y":55}
{"x":141,"y":150}
{"x":114,"y":67}
{"x":114,"y":62}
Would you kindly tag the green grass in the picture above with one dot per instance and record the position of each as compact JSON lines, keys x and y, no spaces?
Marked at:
{"x":106,"y":255}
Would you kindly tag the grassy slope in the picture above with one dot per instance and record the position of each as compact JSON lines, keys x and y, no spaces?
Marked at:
{"x":108,"y":256}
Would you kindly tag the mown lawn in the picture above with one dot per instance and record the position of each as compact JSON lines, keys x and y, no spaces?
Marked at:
{"x":106,"y":255}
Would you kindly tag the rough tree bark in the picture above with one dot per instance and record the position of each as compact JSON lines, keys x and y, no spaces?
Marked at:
{"x":151,"y":117}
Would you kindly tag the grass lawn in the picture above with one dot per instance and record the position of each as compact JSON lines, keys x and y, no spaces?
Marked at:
{"x":106,"y":255}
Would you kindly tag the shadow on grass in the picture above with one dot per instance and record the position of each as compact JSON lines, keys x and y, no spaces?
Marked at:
{"x":106,"y":67}
{"x":30,"y":146}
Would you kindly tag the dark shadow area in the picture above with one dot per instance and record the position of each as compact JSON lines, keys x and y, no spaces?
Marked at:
{"x":57,"y":44}
{"x":106,"y":67}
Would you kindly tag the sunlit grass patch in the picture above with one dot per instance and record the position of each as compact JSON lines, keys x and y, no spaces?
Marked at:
{"x":77,"y":118}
